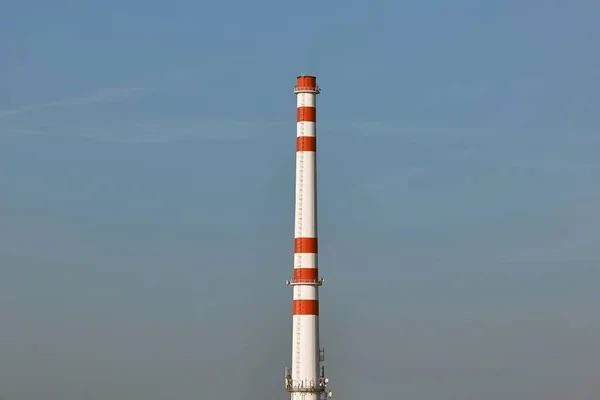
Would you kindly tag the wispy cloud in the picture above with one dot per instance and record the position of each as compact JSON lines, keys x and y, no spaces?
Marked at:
{"x":105,"y":95}
{"x":158,"y":132}
{"x":144,"y":128}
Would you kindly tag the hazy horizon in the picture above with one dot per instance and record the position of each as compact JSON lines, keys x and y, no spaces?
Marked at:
{"x":146,"y":198}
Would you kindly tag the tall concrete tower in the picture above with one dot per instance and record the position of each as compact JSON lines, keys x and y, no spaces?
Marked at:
{"x":306,"y":379}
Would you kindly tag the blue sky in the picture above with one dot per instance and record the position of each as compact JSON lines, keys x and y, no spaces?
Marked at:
{"x":146,"y":197}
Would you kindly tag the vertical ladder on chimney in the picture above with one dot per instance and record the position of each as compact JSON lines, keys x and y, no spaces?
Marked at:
{"x":299,"y":208}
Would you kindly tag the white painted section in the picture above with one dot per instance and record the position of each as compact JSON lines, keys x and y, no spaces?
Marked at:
{"x":307,"y":396}
{"x":305,"y":260}
{"x":306,"y":128}
{"x":305,"y":357}
{"x":302,"y":396}
{"x":306,"y":100}
{"x":306,"y":196}
{"x":306,"y":292}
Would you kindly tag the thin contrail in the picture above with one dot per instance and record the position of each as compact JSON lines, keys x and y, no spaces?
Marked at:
{"x":106,"y":95}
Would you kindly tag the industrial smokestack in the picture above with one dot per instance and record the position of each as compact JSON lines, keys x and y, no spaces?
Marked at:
{"x":306,"y":380}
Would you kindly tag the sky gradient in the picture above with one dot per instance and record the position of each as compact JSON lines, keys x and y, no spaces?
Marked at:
{"x":146,"y":198}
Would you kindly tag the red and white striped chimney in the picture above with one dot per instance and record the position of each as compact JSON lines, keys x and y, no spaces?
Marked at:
{"x":306,"y":380}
